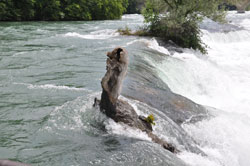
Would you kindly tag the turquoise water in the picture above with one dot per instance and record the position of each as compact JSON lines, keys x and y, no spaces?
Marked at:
{"x":50,"y":73}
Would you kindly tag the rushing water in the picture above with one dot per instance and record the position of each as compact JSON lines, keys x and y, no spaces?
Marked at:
{"x":50,"y":73}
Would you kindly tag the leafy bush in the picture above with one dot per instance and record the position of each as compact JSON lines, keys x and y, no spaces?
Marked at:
{"x":178,"y":20}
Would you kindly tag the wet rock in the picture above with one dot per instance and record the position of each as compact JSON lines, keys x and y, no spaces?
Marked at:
{"x":242,"y":5}
{"x":143,"y":84}
{"x":118,"y":110}
{"x":170,"y":45}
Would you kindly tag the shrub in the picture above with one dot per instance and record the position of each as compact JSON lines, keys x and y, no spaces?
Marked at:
{"x":178,"y":20}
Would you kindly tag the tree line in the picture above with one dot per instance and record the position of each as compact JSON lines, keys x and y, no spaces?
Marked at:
{"x":53,"y":10}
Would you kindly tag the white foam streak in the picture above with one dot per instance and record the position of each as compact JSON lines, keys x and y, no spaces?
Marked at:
{"x":153,"y":44}
{"x":133,"y":16}
{"x":100,"y":34}
{"x":124,"y":130}
{"x":230,"y":37}
{"x":51,"y":86}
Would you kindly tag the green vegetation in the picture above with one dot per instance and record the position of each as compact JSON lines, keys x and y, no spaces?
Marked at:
{"x":50,"y":10}
{"x":248,"y":8}
{"x":135,"y":6}
{"x":150,"y":119}
{"x":178,"y":20}
{"x":16,"y":10}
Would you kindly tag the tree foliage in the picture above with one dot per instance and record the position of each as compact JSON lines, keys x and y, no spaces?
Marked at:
{"x":24,"y":10}
{"x":75,"y":10}
{"x":135,"y":6}
{"x":178,"y":20}
{"x":47,"y":10}
{"x":107,"y":9}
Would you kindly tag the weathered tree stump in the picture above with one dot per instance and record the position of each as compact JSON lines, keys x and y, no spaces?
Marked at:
{"x":118,"y":110}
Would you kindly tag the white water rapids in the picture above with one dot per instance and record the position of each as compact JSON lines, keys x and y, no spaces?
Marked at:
{"x":220,"y":79}
{"x":51,"y":72}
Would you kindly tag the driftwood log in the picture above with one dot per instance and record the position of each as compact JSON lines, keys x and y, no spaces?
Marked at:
{"x":118,"y":110}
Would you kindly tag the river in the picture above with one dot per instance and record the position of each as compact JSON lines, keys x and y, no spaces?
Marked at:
{"x":50,"y":73}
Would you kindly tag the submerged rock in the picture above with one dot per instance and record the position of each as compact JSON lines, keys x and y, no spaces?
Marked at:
{"x":118,"y":110}
{"x":143,"y":84}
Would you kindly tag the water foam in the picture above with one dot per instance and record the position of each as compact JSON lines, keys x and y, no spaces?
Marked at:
{"x":70,"y":115}
{"x":153,"y":44}
{"x":133,"y":16}
{"x":235,"y":37}
{"x":125,"y":130}
{"x":51,"y":86}
{"x":220,"y":79}
{"x":161,"y":121}
{"x":197,"y":160}
{"x":100,"y":34}
{"x":223,"y":138}
{"x":241,"y":20}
